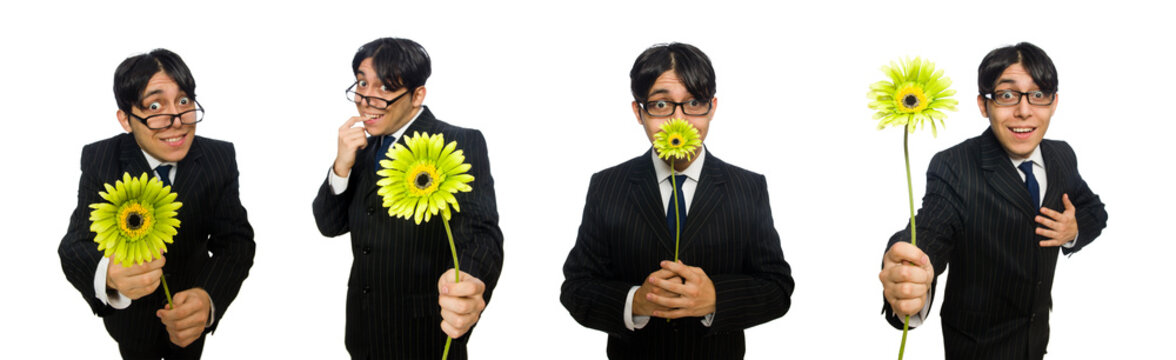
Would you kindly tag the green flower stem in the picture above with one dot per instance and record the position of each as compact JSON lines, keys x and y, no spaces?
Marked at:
{"x":677,"y":217}
{"x":456,"y":277}
{"x":166,"y":292}
{"x":906,"y":154}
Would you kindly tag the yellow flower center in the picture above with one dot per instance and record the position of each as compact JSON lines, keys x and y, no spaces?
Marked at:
{"x":134,"y":220}
{"x":423,"y":179}
{"x":676,"y":140}
{"x":911,"y":99}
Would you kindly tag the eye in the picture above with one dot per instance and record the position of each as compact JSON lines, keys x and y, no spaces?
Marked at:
{"x":1037,"y":95}
{"x":362,"y":83}
{"x":1005,"y":95}
{"x":694,"y":103}
{"x":154,"y":106}
{"x":661,"y":104}
{"x":184,"y":101}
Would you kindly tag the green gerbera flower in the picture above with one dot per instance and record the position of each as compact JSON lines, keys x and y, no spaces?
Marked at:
{"x":138,"y":222}
{"x":916,"y":93}
{"x":420,"y":179}
{"x":677,"y":139}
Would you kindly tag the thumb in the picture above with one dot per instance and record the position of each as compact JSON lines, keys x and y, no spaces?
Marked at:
{"x":1067,"y":203}
{"x":181,"y":297}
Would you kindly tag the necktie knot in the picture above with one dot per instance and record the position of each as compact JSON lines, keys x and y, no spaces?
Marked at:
{"x":164,"y":173}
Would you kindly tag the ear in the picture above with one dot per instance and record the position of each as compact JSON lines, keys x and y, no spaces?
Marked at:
{"x":981,"y":104}
{"x":637,"y":113}
{"x":1054,"y":107}
{"x":714,"y":107}
{"x":124,"y":120}
{"x":418,"y":96}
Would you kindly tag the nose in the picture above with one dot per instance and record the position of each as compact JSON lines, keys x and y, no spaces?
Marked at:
{"x":1022,"y":109}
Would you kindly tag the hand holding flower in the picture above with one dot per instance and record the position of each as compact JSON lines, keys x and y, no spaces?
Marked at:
{"x":906,"y":278}
{"x":135,"y":281}
{"x":694,"y":297}
{"x":188,"y":319}
{"x":461,"y":302}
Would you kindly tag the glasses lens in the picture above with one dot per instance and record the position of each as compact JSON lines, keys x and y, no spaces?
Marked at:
{"x":659,"y":108}
{"x":377,"y":103}
{"x":1040,"y":98}
{"x":1006,"y":97}
{"x":351,"y":96}
{"x":695,"y":107}
{"x":192,"y":116}
{"x":159,"y":121}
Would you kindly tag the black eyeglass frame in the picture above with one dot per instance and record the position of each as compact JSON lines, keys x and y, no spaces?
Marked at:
{"x":992,"y":96}
{"x":352,"y":95}
{"x":199,"y":117}
{"x":682,"y":105}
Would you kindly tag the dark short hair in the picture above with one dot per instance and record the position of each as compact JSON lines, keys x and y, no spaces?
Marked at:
{"x":132,"y":75}
{"x":692,"y":66}
{"x":399,"y":63}
{"x":1031,"y":57}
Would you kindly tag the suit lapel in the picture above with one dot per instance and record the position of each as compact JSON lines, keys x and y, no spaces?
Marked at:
{"x":189,"y":172}
{"x":1001,"y":175}
{"x":1053,"y":174}
{"x":132,"y":159}
{"x":646,"y":197}
{"x":711,"y":192}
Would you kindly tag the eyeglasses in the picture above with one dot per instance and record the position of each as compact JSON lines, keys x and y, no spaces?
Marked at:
{"x":1013,"y":97}
{"x":374,"y":102}
{"x":663,"y":108}
{"x":160,"y":121}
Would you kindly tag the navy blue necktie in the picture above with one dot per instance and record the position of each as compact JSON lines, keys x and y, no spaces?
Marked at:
{"x":671,"y":220}
{"x":1031,"y":183}
{"x":163,"y":171}
{"x":385,"y":144}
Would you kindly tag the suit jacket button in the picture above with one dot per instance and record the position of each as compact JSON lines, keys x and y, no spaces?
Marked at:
{"x":367,"y":250}
{"x":366,"y":290}
{"x":1033,"y":317}
{"x":371,"y":211}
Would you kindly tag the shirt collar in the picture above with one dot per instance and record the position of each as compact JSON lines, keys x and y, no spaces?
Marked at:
{"x":1034,"y":156}
{"x":153,"y":163}
{"x":692,"y":172}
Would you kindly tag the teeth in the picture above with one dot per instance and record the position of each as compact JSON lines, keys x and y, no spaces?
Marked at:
{"x":173,"y":139}
{"x":1022,"y":130}
{"x":370,"y":116}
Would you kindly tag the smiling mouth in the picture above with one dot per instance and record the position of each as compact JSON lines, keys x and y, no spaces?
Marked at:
{"x":369,"y":118}
{"x":1022,"y":130}
{"x":175,"y":140}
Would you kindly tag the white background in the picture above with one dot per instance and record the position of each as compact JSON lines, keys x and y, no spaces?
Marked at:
{"x":548,"y":85}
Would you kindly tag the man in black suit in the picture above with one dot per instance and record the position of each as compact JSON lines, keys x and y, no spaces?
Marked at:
{"x":212,"y":253}
{"x":991,"y":210}
{"x":401,"y":289}
{"x":731,"y":275}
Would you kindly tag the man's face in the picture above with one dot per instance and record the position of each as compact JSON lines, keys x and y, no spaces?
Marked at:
{"x":161,"y":96}
{"x":1018,"y":127}
{"x":385,"y":121}
{"x":669,"y":87}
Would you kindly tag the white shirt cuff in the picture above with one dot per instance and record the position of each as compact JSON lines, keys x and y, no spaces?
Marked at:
{"x":708,"y":319}
{"x":1070,"y":244}
{"x":633,"y":322}
{"x":338,"y":183}
{"x":211,"y":313}
{"x":118,"y":301}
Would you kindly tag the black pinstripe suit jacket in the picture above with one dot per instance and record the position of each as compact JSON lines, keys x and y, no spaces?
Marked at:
{"x":728,"y":233}
{"x":977,"y":216}
{"x":212,"y":220}
{"x":392,"y":309}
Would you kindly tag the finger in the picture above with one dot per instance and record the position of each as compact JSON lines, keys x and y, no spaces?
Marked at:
{"x":187,"y":336}
{"x":908,"y":273}
{"x":671,"y":285}
{"x":1053,"y":214}
{"x":450,"y":330}
{"x":460,"y":322}
{"x":1066,"y":202}
{"x":904,"y":251}
{"x":670,"y":302}
{"x":469,"y":287}
{"x":907,"y":307}
{"x":459,"y":305}
{"x":1048,"y":223}
{"x":1051,"y":243}
{"x":672,"y":313}
{"x":663,"y":274}
{"x":677,"y":267}
{"x":351,"y":122}
{"x":446,"y":278}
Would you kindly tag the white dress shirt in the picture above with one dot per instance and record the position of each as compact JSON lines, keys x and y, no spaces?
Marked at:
{"x":663,"y":172}
{"x":339,"y":183}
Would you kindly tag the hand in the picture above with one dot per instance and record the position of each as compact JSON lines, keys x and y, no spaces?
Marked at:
{"x":187,"y":321}
{"x":135,"y":281}
{"x":351,"y":139}
{"x":906,"y":278}
{"x":694,"y":297}
{"x":1061,"y":227}
{"x":642,"y":306}
{"x":461,"y":303}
